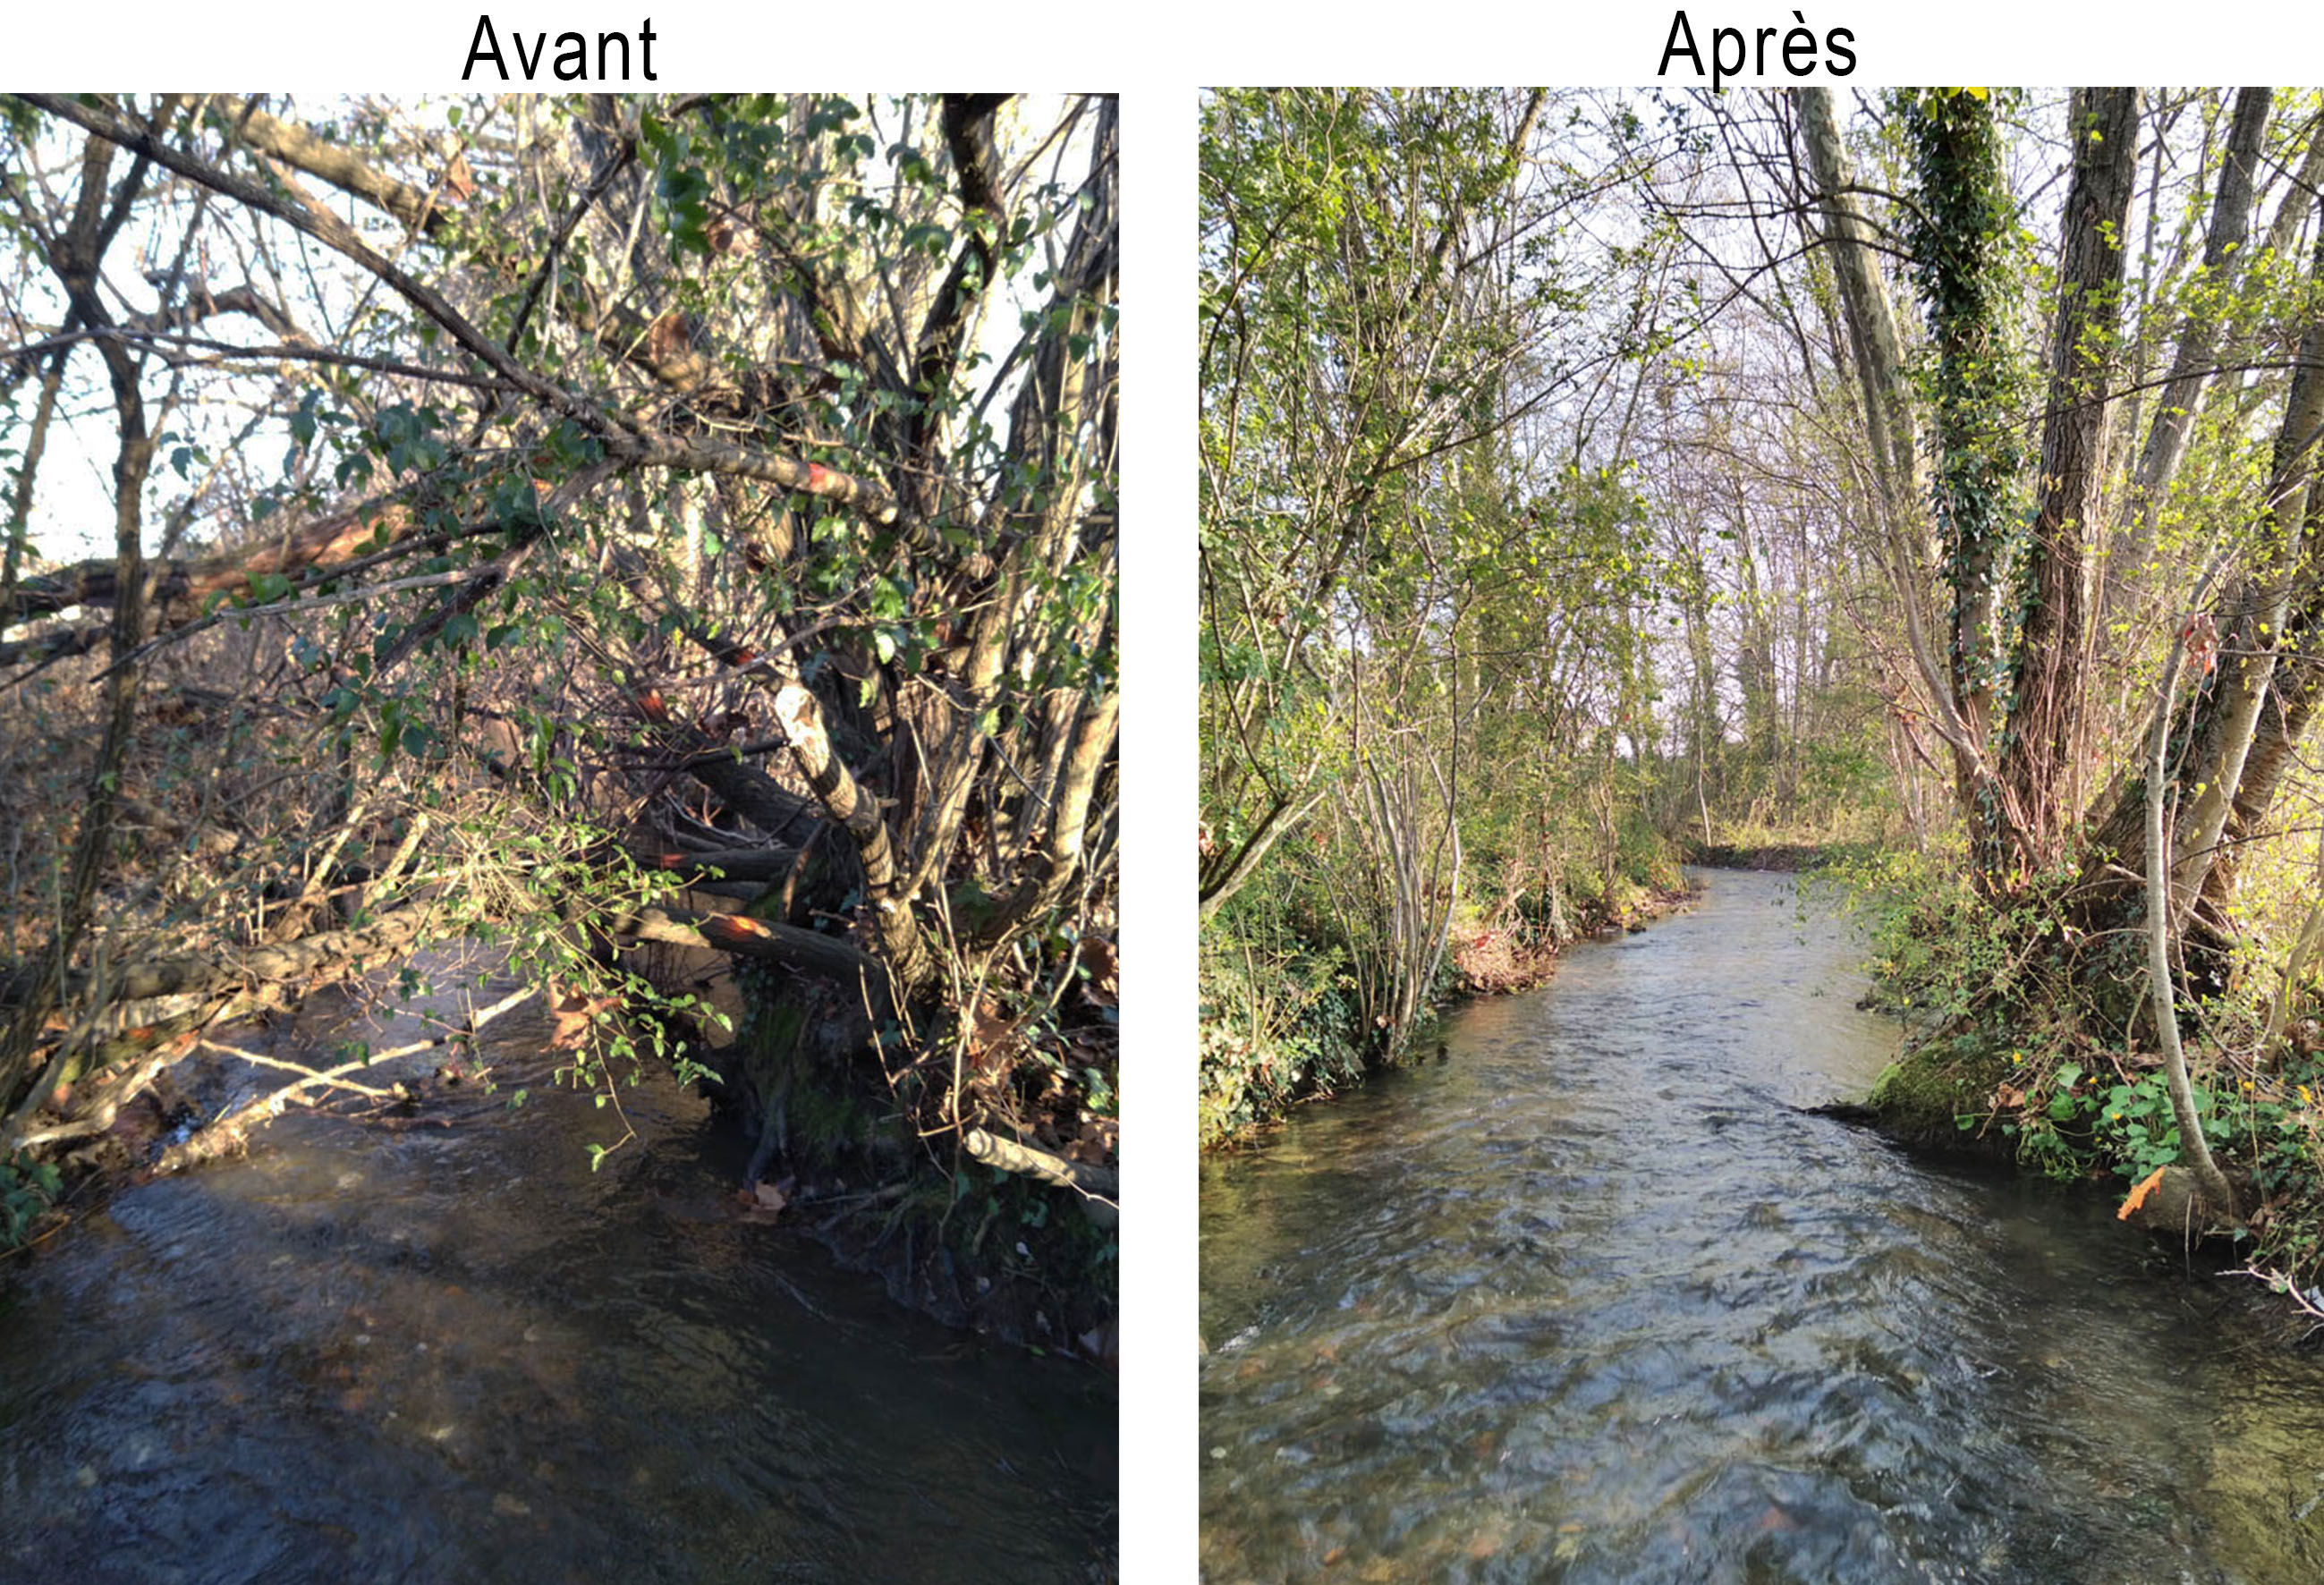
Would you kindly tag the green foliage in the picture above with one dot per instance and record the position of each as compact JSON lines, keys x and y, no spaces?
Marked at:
{"x":2004,"y":1053}
{"x":1271,"y":1035}
{"x":1943,"y":953}
{"x":27,"y":1190}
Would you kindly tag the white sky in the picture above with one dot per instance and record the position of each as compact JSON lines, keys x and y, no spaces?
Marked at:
{"x":72,"y":508}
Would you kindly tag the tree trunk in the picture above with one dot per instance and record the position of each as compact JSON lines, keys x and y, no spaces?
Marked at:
{"x":2044,"y":734}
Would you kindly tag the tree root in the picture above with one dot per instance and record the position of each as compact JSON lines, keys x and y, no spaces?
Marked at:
{"x":1100,"y":1185}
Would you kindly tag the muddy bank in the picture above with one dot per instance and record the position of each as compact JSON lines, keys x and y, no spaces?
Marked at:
{"x":854,"y":1158}
{"x":1773,"y":857}
{"x":1504,"y":960}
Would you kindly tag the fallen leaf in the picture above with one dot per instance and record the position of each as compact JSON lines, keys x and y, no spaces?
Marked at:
{"x":1097,"y":955}
{"x":769,"y":1197}
{"x":2138,"y":1195}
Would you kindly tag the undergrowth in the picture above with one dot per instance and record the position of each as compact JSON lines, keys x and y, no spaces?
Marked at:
{"x":2009,"y":1034}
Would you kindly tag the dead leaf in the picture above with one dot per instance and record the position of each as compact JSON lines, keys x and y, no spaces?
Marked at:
{"x":572,"y":1017}
{"x":764,"y":1203}
{"x":991,"y":1032}
{"x":1104,"y":985}
{"x":2138,"y":1195}
{"x":459,"y":180}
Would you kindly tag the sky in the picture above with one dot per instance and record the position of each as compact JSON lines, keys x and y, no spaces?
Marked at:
{"x":71,"y":518}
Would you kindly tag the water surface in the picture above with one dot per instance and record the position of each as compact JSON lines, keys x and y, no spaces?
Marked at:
{"x":1591,"y":1301}
{"x":446,"y":1353}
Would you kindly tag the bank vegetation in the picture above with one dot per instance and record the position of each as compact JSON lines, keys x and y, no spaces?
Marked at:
{"x":1921,"y":481}
{"x":597,"y":526}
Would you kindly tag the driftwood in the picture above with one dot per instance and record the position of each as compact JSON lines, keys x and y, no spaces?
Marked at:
{"x":164,"y":997}
{"x":331,"y":954}
{"x":160,"y":989}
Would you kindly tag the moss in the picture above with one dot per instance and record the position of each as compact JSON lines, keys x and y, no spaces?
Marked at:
{"x":780,"y":1045}
{"x":1921,"y":1097}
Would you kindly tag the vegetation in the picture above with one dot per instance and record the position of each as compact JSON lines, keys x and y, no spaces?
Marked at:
{"x":1588,"y":476}
{"x":578,"y":523}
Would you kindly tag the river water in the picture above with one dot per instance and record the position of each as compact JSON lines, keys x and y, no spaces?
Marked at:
{"x":452,"y":1353}
{"x":1590,"y":1301}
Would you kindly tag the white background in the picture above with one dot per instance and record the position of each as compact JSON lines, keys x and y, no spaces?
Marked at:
{"x":1156,"y":58}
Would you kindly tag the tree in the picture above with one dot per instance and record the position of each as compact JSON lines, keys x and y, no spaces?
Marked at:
{"x":760,"y":447}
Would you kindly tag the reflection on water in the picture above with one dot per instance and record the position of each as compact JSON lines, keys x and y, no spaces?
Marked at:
{"x":457,"y":1354}
{"x":1591,"y":1302}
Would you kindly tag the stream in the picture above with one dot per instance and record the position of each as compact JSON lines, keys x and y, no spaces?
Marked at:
{"x":1589,"y":1300}
{"x":452,"y":1352}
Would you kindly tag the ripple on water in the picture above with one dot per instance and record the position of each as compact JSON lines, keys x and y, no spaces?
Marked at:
{"x":1592,"y":1302}
{"x":358,"y":1355}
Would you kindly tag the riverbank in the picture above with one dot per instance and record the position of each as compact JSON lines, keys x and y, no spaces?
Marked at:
{"x":1250,"y":1084}
{"x":1001,"y":1254}
{"x":2009,"y":1057}
{"x":1780,"y":858}
{"x":1504,"y":959}
{"x":1497,"y":1315}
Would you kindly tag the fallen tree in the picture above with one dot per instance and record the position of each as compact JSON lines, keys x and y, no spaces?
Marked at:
{"x":698,"y":492}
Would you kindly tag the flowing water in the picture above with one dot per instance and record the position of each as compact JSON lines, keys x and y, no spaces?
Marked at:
{"x":1590,"y":1301}
{"x":456,"y":1353}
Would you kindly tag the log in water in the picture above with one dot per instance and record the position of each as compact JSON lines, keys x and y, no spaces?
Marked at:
{"x":1591,"y":1301}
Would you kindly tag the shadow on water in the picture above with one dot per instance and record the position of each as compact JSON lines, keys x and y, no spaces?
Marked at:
{"x":458,"y":1354}
{"x":1592,"y":1302}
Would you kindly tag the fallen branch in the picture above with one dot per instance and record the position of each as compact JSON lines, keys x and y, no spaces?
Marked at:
{"x":96,"y":1120}
{"x":312,"y":1075}
{"x":740,"y":935}
{"x":2310,"y":1302}
{"x":330,"y":953}
{"x":228,"y":1132}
